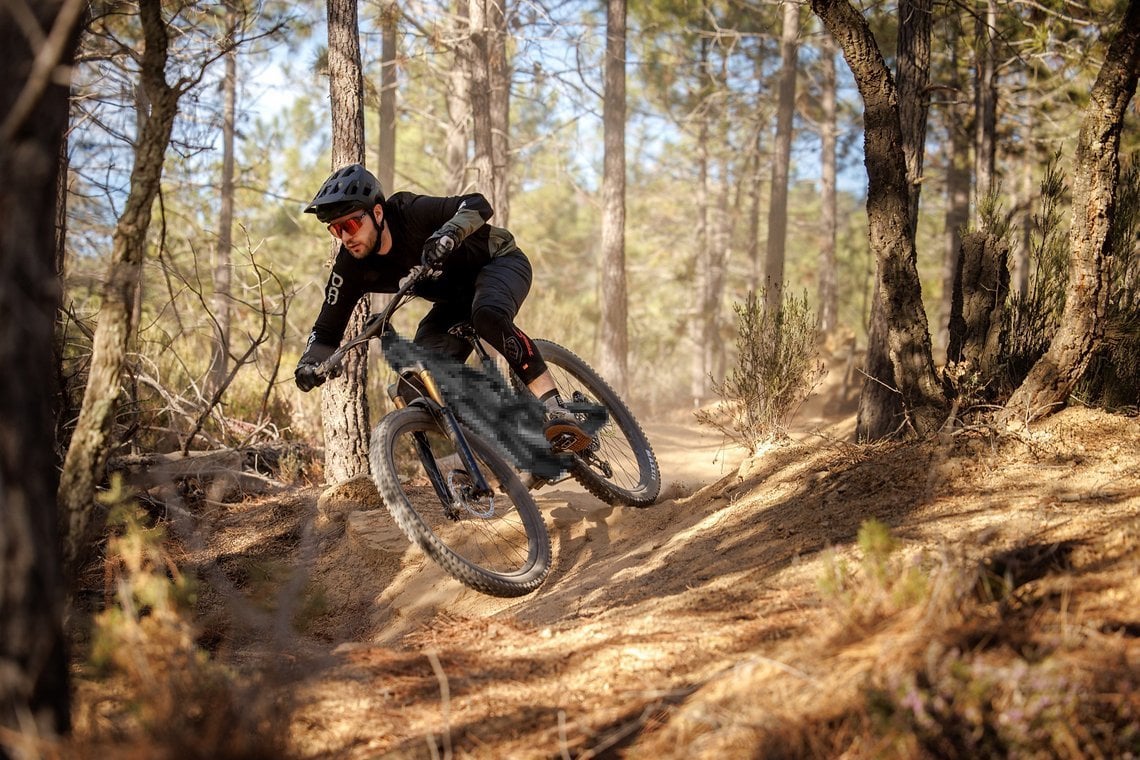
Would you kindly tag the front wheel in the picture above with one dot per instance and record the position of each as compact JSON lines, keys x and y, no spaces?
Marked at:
{"x":619,"y":467}
{"x":496,"y":544}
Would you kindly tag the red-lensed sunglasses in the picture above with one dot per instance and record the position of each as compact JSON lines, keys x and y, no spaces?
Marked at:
{"x":351,"y":225}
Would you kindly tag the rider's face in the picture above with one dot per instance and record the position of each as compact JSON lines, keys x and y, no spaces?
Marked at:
{"x":358,"y":231}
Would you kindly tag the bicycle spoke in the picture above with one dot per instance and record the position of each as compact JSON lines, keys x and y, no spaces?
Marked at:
{"x":496,"y":543}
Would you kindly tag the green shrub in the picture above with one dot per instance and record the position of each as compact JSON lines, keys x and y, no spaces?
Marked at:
{"x":777,"y":366}
{"x":884,"y":582}
{"x":1112,"y":378}
{"x":963,"y":704}
{"x":1031,"y":320}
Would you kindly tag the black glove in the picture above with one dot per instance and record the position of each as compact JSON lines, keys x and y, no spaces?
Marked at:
{"x":437,"y":247}
{"x":307,"y":377}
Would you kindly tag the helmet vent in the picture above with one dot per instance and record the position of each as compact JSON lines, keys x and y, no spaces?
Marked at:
{"x":346,"y":188}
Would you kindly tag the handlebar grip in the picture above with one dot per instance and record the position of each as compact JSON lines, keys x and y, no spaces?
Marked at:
{"x":330,"y":367}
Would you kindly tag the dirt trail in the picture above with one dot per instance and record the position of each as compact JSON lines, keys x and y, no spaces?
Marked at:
{"x":591,"y":542}
{"x":741,"y":616}
{"x":657,"y":628}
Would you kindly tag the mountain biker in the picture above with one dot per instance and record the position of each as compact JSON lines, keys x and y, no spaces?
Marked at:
{"x":474,"y":273}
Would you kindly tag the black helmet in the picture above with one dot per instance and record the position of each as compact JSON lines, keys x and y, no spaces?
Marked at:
{"x":347,"y":189}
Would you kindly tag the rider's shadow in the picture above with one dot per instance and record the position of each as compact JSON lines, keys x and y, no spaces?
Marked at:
{"x":579,"y":535}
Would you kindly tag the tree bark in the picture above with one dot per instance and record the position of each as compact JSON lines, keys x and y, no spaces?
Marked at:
{"x":781,"y":160}
{"x":720,"y":242}
{"x":222,"y":269}
{"x":981,"y":285}
{"x":479,"y":95}
{"x":499,"y":81}
{"x":614,"y":349}
{"x":828,"y":267}
{"x":756,"y":179}
{"x":344,"y":408}
{"x":882,"y":411}
{"x":1096,"y":169}
{"x":34,"y":690}
{"x":957,"y":169}
{"x":907,"y":337}
{"x":85,"y":464}
{"x":985,"y":103}
{"x":698,"y":325}
{"x":457,"y":108}
{"x":386,"y":147}
{"x":913,"y":63}
{"x":1019,"y":277}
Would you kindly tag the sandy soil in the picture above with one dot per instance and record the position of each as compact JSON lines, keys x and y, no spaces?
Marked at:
{"x":741,"y":616}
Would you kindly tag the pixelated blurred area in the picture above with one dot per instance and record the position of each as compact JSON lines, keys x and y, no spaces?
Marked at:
{"x":487,"y":403}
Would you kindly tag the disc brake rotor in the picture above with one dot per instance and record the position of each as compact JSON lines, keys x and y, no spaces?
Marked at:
{"x":460,"y":485}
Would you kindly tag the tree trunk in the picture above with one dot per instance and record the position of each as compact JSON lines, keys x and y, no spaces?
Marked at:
{"x":1095,"y":173}
{"x":614,"y":349}
{"x":913,"y":62}
{"x":720,"y":241}
{"x":698,"y":325}
{"x":981,"y":285}
{"x":907,"y":337}
{"x":479,"y":95}
{"x":882,"y":410}
{"x":61,"y":213}
{"x":457,"y":108}
{"x":84,"y":466}
{"x":985,"y":102}
{"x":755,"y":182}
{"x":781,"y":159}
{"x":829,"y":130}
{"x":881,"y":413}
{"x":222,"y":269}
{"x":386,"y":147}
{"x":957,"y":170}
{"x":34,"y":690}
{"x":499,"y":82}
{"x":344,"y":408}
{"x":1020,"y":270}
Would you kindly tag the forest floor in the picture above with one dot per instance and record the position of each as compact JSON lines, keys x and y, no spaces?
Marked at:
{"x":753,"y":612}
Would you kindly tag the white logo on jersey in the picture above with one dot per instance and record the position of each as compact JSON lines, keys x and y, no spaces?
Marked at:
{"x":332,"y":292}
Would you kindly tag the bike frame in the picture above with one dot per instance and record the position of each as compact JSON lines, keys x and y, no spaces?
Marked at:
{"x":433,"y":401}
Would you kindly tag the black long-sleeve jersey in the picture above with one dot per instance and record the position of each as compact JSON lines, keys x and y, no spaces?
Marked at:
{"x":412,"y":219}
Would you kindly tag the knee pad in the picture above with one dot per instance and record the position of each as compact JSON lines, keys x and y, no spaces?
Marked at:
{"x":491,"y":324}
{"x":497,"y":328}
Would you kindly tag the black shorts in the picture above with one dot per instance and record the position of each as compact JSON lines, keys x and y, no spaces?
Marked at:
{"x":491,"y":305}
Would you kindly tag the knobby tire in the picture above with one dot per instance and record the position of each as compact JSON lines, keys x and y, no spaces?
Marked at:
{"x":623,"y":446}
{"x":504,"y":553}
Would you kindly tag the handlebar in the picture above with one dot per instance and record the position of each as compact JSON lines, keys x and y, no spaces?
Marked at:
{"x":374,"y":326}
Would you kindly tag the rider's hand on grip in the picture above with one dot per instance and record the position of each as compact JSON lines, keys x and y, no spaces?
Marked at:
{"x":419,"y":272}
{"x":437,"y":247}
{"x":307,"y":377}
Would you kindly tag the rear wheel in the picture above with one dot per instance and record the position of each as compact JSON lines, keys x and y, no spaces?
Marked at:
{"x":496,"y":544}
{"x":619,"y":467}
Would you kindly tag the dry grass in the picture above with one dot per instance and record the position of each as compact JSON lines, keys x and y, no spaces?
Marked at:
{"x":965,"y":597}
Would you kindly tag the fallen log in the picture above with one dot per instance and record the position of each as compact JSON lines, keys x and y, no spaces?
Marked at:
{"x":222,"y":475}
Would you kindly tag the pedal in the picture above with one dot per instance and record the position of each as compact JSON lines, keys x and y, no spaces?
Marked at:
{"x":562,"y":441}
{"x":569,"y":441}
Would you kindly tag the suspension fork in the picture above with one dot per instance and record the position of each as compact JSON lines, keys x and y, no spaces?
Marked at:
{"x":450,"y":424}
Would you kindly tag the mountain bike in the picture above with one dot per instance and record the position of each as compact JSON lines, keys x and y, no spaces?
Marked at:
{"x":438,"y":459}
